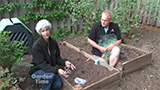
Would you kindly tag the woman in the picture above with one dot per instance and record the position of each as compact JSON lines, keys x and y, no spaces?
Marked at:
{"x":46,"y":56}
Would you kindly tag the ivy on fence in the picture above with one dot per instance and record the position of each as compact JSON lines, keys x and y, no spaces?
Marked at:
{"x":125,"y":13}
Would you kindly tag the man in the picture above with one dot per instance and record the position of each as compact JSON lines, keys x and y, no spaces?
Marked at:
{"x":106,"y":26}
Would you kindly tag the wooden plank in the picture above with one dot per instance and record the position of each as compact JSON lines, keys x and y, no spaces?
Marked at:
{"x":111,"y":5}
{"x":136,"y":63}
{"x":5,"y":13}
{"x":112,"y":82}
{"x":112,"y":86}
{"x":80,"y":25}
{"x":54,"y":24}
{"x":61,"y":23}
{"x":108,"y":5}
{"x":104,"y":86}
{"x":58,"y":24}
{"x":158,"y":15}
{"x":42,"y":11}
{"x":32,"y":23}
{"x":153,"y":20}
{"x":15,"y":10}
{"x":74,"y":28}
{"x":31,"y":26}
{"x":104,"y":83}
{"x":153,"y":15}
{"x":135,"y":48}
{"x":139,"y":6}
{"x":141,"y":16}
{"x":29,"y":2}
{"x":0,"y":12}
{"x":158,"y":22}
{"x":70,"y":46}
{"x":21,"y":11}
{"x":68,"y":23}
{"x":149,"y":19}
{"x":158,"y":19}
{"x":145,"y":16}
{"x":66,"y":84}
{"x":116,"y":3}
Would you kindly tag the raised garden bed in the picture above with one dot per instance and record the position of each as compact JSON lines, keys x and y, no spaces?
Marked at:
{"x":96,"y":76}
{"x":132,"y":58}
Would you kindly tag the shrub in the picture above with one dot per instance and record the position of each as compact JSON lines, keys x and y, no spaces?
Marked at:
{"x":60,"y":33}
{"x":10,"y":56}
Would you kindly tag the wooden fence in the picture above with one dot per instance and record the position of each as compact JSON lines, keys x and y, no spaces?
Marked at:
{"x":20,"y":11}
{"x":145,"y":14}
{"x":148,"y":16}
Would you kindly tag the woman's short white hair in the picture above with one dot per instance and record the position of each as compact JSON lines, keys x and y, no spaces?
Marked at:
{"x":42,"y":24}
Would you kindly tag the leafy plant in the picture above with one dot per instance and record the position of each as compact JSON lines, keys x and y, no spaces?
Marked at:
{"x":2,"y":7}
{"x":88,"y":11}
{"x":135,"y":36}
{"x":106,"y":40}
{"x":28,"y":6}
{"x":9,"y":7}
{"x":10,"y":56}
{"x":11,"y":52}
{"x":60,"y":33}
{"x":126,"y":16}
{"x":46,"y":4}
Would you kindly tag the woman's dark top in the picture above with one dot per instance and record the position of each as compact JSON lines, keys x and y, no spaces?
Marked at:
{"x":42,"y":60}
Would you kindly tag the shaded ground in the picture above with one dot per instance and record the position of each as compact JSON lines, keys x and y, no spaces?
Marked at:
{"x":146,"y":78}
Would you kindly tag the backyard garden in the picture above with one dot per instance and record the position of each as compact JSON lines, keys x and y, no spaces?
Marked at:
{"x":145,"y":78}
{"x":139,"y":28}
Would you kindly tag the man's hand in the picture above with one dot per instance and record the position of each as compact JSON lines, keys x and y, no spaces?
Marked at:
{"x":109,"y":47}
{"x":102,"y":49}
{"x":70,"y":65}
{"x":63,"y":73}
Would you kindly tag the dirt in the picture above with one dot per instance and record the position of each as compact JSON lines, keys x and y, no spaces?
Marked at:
{"x":86,"y":70}
{"x":28,"y":83}
{"x":146,"y":78}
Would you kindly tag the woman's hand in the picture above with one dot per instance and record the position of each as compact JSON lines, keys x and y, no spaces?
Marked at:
{"x":63,"y":73}
{"x":70,"y":65}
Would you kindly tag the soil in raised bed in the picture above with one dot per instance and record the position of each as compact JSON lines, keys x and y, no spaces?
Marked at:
{"x":129,"y":54}
{"x":84,"y":69}
{"x":126,"y":53}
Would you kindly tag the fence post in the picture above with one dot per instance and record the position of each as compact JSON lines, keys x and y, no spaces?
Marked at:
{"x":6,"y":13}
{"x":54,"y":24}
{"x":21,"y":11}
{"x":140,"y":5}
{"x":68,"y":23}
